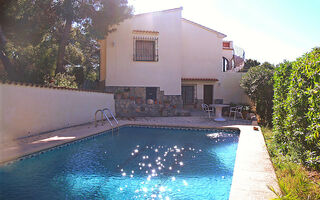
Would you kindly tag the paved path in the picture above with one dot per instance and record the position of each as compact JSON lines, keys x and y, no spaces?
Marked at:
{"x":253,"y":171}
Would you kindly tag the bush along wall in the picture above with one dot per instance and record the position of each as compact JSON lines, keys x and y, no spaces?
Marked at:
{"x":258,"y":85}
{"x":296,"y":118}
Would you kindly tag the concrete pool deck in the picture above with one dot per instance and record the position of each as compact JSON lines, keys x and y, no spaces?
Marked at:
{"x":253,"y":172}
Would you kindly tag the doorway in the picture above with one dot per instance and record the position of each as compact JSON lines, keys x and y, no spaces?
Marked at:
{"x":187,"y":94}
{"x":208,"y":94}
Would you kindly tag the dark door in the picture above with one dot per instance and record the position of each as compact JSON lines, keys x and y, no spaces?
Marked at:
{"x":187,"y":94}
{"x":151,"y":93}
{"x":208,"y":94}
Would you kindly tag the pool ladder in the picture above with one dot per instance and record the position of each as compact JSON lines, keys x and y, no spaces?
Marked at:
{"x":103,"y":113}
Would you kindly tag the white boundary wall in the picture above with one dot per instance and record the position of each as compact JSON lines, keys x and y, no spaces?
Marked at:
{"x":27,"y":110}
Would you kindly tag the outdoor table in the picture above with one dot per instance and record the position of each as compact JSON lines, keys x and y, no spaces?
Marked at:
{"x":218,"y":108}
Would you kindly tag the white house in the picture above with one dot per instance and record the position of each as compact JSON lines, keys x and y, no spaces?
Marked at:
{"x":171,"y":60}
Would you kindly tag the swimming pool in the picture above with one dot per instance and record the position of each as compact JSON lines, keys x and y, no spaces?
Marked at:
{"x":138,"y":163}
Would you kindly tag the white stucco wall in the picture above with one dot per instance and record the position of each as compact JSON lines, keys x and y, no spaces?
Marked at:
{"x":29,"y":110}
{"x":202,"y":58}
{"x":201,"y":52}
{"x":228,"y":88}
{"x":121,"y":70}
{"x":186,"y":50}
{"x":227,"y":53}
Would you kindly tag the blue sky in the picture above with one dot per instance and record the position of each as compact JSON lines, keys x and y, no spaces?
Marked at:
{"x":268,"y":30}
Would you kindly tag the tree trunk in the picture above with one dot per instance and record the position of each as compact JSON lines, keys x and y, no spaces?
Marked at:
{"x":4,"y":58}
{"x":62,"y":45}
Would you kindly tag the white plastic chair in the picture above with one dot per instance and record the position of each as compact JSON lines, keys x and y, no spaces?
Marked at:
{"x":237,"y":110}
{"x":207,"y":109}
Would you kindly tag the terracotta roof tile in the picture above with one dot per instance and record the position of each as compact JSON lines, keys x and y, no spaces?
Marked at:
{"x":199,"y":79}
{"x":49,"y":87}
{"x":144,"y":32}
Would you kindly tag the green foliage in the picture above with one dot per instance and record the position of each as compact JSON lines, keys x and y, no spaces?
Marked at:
{"x":3,"y":73}
{"x":281,"y":85}
{"x":250,"y":63}
{"x":61,"y":80}
{"x":293,"y":179}
{"x":32,"y":62}
{"x":297,"y":108}
{"x":85,"y":79}
{"x":93,"y":18}
{"x":258,"y":85}
{"x":31,"y":32}
{"x":26,"y":21}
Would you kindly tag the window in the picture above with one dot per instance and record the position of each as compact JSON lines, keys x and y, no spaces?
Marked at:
{"x":225,"y":64}
{"x":145,"y":49}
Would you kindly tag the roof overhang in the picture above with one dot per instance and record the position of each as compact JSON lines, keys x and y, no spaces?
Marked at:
{"x":221,"y":35}
{"x":161,"y":11}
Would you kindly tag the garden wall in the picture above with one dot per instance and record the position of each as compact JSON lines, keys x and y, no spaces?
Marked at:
{"x":228,"y":88}
{"x":27,"y":109}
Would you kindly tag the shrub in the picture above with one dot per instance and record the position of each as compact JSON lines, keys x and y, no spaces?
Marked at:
{"x":3,"y":73}
{"x":281,"y":87}
{"x":297,"y":108}
{"x":295,"y":182}
{"x":258,"y":85}
{"x":61,"y":80}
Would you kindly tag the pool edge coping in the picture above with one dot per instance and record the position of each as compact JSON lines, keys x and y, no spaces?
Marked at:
{"x":244,"y":184}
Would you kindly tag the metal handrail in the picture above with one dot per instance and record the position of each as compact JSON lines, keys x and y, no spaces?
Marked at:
{"x":95,"y":117}
{"x":103,"y":113}
{"x":110,"y":114}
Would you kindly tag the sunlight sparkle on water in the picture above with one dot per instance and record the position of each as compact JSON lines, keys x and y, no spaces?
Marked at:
{"x":175,"y":163}
{"x":162,"y":189}
{"x":185,"y":183}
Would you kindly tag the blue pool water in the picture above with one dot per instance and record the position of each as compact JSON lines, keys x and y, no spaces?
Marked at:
{"x":138,"y":163}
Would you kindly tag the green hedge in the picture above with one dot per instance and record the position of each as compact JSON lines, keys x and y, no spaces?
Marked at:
{"x":296,"y":117}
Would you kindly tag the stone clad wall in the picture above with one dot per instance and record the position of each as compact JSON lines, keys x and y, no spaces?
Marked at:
{"x":132,"y":102}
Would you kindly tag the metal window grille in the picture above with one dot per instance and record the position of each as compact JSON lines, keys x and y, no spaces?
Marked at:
{"x":145,"y":49}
